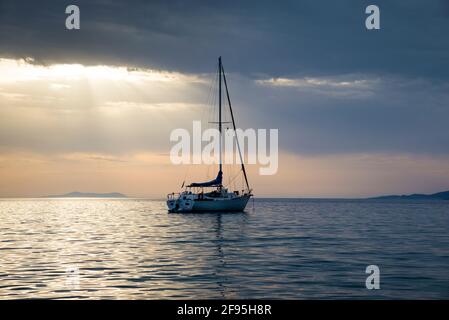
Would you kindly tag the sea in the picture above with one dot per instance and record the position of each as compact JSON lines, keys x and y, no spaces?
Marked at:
{"x":276,"y":249}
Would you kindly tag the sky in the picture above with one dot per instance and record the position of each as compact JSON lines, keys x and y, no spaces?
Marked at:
{"x":359,"y":112}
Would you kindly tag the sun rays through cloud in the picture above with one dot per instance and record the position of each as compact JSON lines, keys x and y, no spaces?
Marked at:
{"x":65,"y":126}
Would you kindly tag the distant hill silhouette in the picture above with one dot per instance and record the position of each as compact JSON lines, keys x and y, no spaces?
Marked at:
{"x":435,"y":196}
{"x":77,"y":194}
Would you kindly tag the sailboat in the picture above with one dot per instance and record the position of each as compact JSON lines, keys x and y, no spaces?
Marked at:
{"x":213,"y":196}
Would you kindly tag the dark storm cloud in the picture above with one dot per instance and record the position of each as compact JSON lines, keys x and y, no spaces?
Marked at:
{"x":400,"y":105}
{"x":383,"y":114}
{"x":255,"y":37}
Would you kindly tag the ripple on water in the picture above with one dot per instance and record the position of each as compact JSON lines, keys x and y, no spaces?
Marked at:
{"x":100,"y":248}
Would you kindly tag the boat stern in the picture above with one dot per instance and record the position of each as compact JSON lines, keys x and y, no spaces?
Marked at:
{"x":180,"y":202}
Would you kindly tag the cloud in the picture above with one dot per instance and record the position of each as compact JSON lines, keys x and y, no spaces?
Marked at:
{"x":342,"y":114}
{"x":120,"y":109}
{"x":21,"y":70}
{"x":255,"y":37}
{"x":337,"y":86}
{"x":138,"y":69}
{"x":106,"y":109}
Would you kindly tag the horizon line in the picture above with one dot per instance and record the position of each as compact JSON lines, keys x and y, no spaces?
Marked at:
{"x":255,"y":197}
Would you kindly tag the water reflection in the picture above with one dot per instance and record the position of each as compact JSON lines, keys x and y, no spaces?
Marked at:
{"x":214,"y":222}
{"x":134,"y":249}
{"x":221,"y":258}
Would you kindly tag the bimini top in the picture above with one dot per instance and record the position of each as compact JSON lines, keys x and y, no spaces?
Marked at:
{"x":213,"y":183}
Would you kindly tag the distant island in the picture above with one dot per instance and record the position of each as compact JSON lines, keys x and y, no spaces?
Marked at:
{"x":435,"y":196}
{"x":88,"y":195}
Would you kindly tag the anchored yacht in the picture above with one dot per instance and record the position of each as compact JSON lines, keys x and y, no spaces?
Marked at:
{"x":213,"y":196}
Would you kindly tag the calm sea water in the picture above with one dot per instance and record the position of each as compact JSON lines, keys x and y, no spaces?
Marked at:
{"x":134,"y":249}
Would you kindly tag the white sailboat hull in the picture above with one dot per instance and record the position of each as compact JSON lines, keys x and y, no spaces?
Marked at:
{"x":236,"y":204}
{"x":194,"y":198}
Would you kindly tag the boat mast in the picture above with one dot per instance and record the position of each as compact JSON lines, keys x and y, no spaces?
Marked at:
{"x":219,"y":108}
{"x":233,"y":124}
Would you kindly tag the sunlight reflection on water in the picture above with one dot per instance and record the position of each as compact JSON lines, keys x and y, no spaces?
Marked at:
{"x":134,"y":249}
